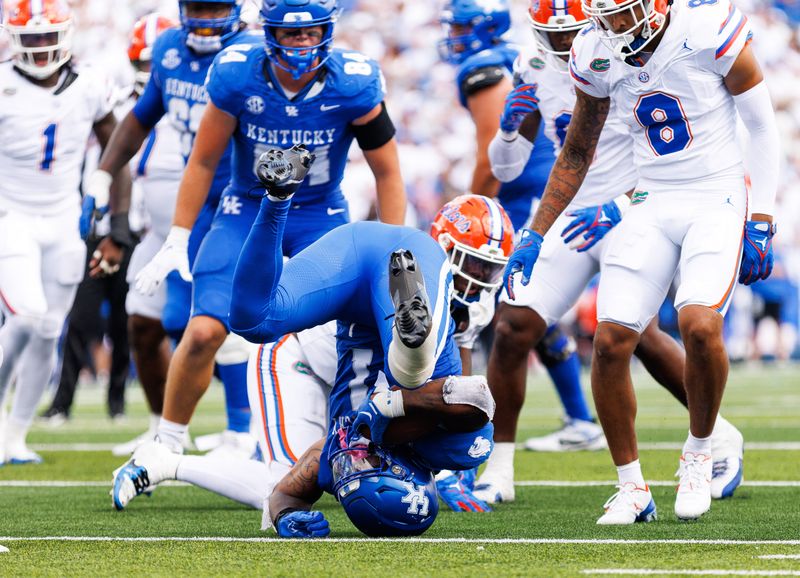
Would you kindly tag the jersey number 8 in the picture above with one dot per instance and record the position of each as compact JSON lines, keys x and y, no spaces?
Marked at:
{"x":665,"y":124}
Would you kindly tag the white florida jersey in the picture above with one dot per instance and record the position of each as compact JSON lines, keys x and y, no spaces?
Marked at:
{"x":682,"y":117}
{"x":319,"y":347}
{"x":43,"y":137}
{"x":612,"y":172}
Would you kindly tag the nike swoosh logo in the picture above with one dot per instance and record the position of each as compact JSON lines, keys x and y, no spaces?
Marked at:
{"x":369,"y":415}
{"x":327,"y":107}
{"x":335,"y":211}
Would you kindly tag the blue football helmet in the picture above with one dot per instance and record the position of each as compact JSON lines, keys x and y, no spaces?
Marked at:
{"x":383,"y":493}
{"x":488,"y":21}
{"x":207,"y":35}
{"x":299,"y":14}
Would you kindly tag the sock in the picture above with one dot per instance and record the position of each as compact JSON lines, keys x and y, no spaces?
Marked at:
{"x":631,"y":473}
{"x":35,"y":368}
{"x":244,"y":481}
{"x":237,"y":406}
{"x":15,"y":334}
{"x":16,"y":431}
{"x":501,"y":460}
{"x":697,"y":445}
{"x":171,"y":434}
{"x":566,"y":376}
{"x":155,"y":418}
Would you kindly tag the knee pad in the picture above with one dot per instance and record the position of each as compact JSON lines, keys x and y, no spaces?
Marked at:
{"x":235,"y":349}
{"x":469,"y":390}
{"x":555,"y":347}
{"x":50,"y":326}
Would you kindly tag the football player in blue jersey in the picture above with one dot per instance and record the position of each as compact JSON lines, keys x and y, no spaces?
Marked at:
{"x":475,"y":45}
{"x":299,"y":90}
{"x":181,"y":58}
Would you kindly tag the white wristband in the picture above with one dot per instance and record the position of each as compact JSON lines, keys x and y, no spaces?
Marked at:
{"x":178,"y":236}
{"x":622,"y":202}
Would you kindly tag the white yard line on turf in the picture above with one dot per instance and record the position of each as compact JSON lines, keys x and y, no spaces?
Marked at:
{"x":590,"y":542}
{"x":523,"y":483}
{"x":668,"y":572}
{"x":780,"y":557}
{"x":105,"y":447}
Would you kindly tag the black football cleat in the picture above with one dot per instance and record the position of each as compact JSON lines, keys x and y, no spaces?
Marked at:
{"x":412,"y":317}
{"x":282,"y":172}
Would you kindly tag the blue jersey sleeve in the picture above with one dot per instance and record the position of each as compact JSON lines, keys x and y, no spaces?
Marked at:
{"x":149,"y":108}
{"x":359,"y":79}
{"x":226,"y":77}
{"x":482,"y":70}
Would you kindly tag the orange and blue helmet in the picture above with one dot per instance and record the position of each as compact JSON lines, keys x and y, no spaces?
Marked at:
{"x":546,"y":16}
{"x":41,"y":35}
{"x":648,"y":17}
{"x":140,"y":45}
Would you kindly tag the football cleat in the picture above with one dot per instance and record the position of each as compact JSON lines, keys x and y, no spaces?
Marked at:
{"x":694,"y":489}
{"x":467,"y":477}
{"x":629,"y":505}
{"x":412,"y":318}
{"x":240,"y":445}
{"x":283,"y":171}
{"x":150,"y":464}
{"x":575,"y":435}
{"x":21,"y":454}
{"x":727,"y":453}
{"x":493,"y":488}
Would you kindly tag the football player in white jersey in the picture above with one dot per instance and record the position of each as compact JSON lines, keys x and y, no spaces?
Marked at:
{"x":48,"y":112}
{"x":573,"y":250}
{"x":677,"y":76}
{"x":157,"y":170}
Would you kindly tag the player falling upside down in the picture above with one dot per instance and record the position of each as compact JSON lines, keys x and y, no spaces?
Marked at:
{"x":353,"y":254}
{"x":476,"y":44}
{"x":545,"y":94}
{"x":677,"y":75}
{"x":49,"y":110}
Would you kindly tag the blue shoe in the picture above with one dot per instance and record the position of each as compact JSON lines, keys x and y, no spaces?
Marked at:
{"x":151,"y":464}
{"x":631,"y":504}
{"x":727,"y":453}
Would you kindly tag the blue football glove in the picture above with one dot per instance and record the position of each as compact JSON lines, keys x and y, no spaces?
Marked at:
{"x":303,"y":525}
{"x":520,"y":102}
{"x":593,"y":223}
{"x":458,"y":497}
{"x":370,"y":416}
{"x":522,"y":259}
{"x":467,"y":477}
{"x":757,"y":256}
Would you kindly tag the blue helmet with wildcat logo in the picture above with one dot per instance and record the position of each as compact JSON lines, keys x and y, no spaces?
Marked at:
{"x":384,"y":493}
{"x":206,"y":35}
{"x":299,"y":14}
{"x":487,"y":20}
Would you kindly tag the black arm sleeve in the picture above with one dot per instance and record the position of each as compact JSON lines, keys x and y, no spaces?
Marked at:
{"x":376,"y":132}
{"x":481,"y":78}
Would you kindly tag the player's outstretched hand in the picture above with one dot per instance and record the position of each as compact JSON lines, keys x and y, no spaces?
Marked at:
{"x":301,"y":524}
{"x":757,"y":256}
{"x":282,"y":171}
{"x":522,"y":259}
{"x":520,"y":102}
{"x":592,"y":224}
{"x":95,"y":201}
{"x":173,"y":255}
{"x":459,"y":497}
{"x":369,"y":415}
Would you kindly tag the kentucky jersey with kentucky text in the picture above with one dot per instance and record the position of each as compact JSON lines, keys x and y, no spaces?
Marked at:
{"x":177,"y":89}
{"x":681,"y":116}
{"x":242,"y":84}
{"x":43,"y":137}
{"x":517,"y":195}
{"x":612,"y":171}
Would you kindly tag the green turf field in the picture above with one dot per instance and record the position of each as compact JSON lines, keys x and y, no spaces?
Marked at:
{"x":56,"y":518}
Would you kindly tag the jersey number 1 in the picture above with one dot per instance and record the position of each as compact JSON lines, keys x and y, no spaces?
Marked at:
{"x":48,"y":147}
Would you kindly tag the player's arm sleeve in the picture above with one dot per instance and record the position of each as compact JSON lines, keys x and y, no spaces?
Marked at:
{"x":583,"y":77}
{"x":734,"y":34}
{"x":508,"y":156}
{"x":223,"y":79}
{"x":149,"y":108}
{"x":763,"y":149}
{"x":476,"y":79}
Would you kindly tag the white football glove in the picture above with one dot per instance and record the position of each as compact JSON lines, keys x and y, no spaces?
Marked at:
{"x":173,"y":254}
{"x":480,"y":315}
{"x":97,"y":186}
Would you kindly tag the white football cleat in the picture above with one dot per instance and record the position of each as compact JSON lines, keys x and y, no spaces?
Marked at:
{"x":127,"y":448}
{"x":151,"y":464}
{"x":727,"y":453}
{"x":575,"y":435}
{"x":694,"y":489}
{"x":20,"y":454}
{"x":629,"y":505}
{"x":493,"y":488}
{"x":235,"y":444}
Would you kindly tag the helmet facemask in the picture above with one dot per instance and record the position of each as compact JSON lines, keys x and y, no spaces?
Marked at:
{"x":40,"y":49}
{"x":556,"y":24}
{"x":207,"y":35}
{"x":474,"y":270}
{"x":299,"y":60}
{"x":647,"y":24}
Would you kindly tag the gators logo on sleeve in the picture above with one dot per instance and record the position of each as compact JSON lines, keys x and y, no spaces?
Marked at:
{"x":600,"y":64}
{"x":536,"y":63}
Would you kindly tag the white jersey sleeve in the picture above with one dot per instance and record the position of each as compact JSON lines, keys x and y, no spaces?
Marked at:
{"x":733,"y":35}
{"x":589,"y":64}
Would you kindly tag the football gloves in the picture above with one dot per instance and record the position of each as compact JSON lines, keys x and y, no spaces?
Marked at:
{"x":522,"y":259}
{"x":282,"y":171}
{"x":368,"y":414}
{"x":520,"y":102}
{"x":299,"y":524}
{"x":95,"y":201}
{"x":757,"y":256}
{"x":458,"y":496}
{"x":173,"y":255}
{"x":592,"y":223}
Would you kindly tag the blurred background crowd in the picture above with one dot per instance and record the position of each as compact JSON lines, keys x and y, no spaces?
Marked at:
{"x":437,"y":144}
